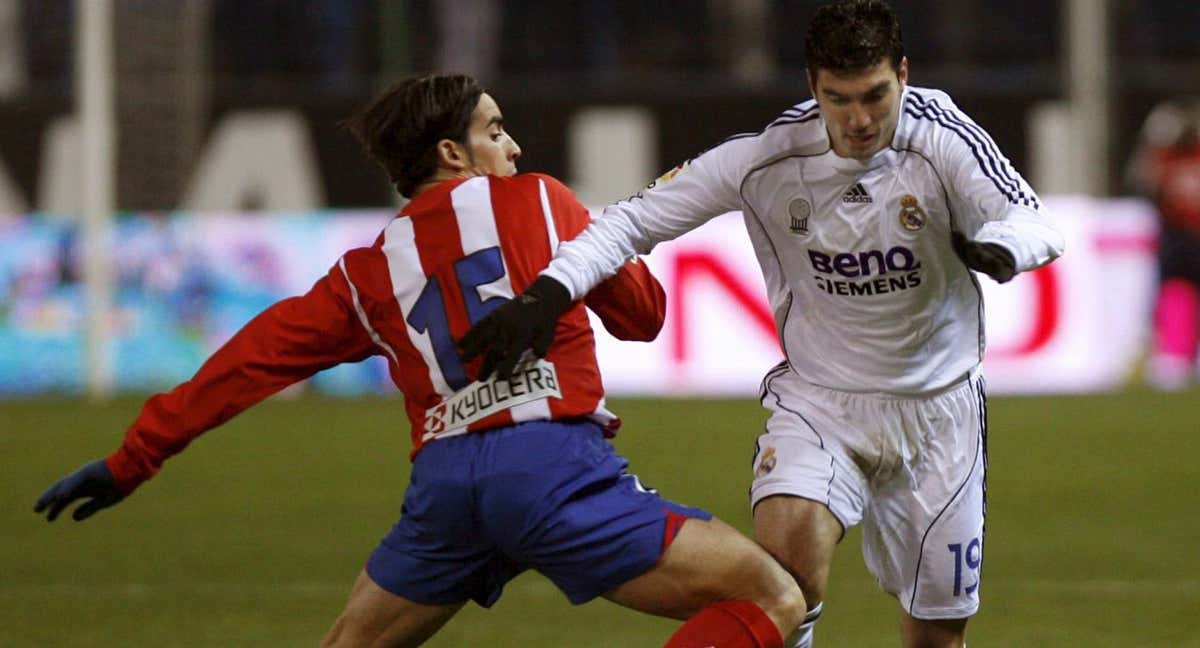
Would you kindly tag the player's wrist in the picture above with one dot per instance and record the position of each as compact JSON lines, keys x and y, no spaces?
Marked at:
{"x":127,"y":472}
{"x":551,"y":296}
{"x":1001,"y":264}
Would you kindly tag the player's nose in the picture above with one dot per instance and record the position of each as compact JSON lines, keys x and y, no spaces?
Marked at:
{"x":514,"y":151}
{"x":860,"y":118}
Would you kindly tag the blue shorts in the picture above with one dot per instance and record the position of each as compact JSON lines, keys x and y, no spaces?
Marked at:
{"x":549,"y":496}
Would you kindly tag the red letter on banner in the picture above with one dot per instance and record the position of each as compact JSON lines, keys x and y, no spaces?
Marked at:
{"x":690,"y":265}
{"x":1045,"y":316}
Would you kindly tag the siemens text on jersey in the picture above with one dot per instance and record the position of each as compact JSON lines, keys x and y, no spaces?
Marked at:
{"x":869,"y":263}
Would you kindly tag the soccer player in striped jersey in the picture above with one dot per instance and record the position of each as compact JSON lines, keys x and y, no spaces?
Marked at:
{"x":869,"y":207}
{"x":508,"y":474}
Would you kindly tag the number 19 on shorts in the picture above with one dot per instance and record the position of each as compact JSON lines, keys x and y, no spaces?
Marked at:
{"x":967,"y":559}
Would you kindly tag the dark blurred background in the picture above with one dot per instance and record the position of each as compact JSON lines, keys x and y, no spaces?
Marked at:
{"x":702,"y":69}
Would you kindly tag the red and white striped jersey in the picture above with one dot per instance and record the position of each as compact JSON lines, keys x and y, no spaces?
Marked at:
{"x":455,"y":252}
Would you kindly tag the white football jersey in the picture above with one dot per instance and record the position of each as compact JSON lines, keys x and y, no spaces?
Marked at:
{"x":867,"y":291}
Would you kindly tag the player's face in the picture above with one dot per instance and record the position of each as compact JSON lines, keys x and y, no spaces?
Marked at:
{"x":860,"y":108}
{"x":491,"y":150}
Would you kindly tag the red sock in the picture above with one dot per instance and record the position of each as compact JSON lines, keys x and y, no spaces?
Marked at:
{"x":728,"y":624}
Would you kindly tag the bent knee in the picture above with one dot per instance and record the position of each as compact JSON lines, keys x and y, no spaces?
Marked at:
{"x":787,"y":607}
{"x":812,"y":583}
{"x":811,"y":579}
{"x":778,"y":594}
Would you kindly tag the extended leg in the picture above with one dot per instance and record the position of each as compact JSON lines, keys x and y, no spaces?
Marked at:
{"x":377,"y":618}
{"x":732,"y":592}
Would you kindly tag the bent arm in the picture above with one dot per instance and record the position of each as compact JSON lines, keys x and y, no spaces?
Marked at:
{"x":631,"y":304}
{"x":1027,"y":234}
{"x":992,"y":201}
{"x":290,"y":341}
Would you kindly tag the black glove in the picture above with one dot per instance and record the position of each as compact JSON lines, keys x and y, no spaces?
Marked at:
{"x":989,"y":258}
{"x":92,"y":480}
{"x":526,"y":321}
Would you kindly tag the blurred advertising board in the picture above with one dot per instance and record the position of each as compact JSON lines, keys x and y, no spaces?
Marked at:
{"x":1080,"y":324}
{"x":185,"y":283}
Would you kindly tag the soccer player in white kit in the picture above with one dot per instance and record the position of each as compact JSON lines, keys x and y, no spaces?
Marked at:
{"x":868,"y":207}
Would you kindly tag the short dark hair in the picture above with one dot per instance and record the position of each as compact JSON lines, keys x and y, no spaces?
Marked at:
{"x":853,"y":35}
{"x":401,"y":127}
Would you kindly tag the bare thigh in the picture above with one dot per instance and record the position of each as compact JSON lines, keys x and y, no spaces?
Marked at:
{"x":376,"y":617}
{"x":710,"y":561}
{"x":802,"y":535}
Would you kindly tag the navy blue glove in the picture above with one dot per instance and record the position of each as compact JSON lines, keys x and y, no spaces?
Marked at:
{"x":92,"y":480}
{"x":526,"y":321}
{"x":989,"y":258}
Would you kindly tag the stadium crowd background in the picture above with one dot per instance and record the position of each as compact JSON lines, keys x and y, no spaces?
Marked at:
{"x":704,"y":69}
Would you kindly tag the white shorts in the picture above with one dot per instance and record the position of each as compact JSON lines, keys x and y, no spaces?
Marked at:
{"x":912,"y":470}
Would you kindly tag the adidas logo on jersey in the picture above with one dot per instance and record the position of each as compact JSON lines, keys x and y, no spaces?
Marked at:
{"x":856,"y":194}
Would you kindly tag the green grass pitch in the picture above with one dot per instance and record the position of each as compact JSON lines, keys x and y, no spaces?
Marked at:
{"x":253,"y":536}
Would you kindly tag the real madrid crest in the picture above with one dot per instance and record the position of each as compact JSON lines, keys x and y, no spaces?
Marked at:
{"x":798,"y":213}
{"x":912,"y":217}
{"x":767,"y":463}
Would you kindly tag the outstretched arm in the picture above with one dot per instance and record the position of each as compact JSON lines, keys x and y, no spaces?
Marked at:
{"x":288,"y":342}
{"x":591,"y":253}
{"x":631,"y":304}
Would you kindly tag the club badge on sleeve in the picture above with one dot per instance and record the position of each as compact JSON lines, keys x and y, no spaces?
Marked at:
{"x":669,"y":175}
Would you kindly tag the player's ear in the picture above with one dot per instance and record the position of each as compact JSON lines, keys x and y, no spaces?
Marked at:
{"x":452,"y":155}
{"x":902,"y":71}
{"x":812,"y":82}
